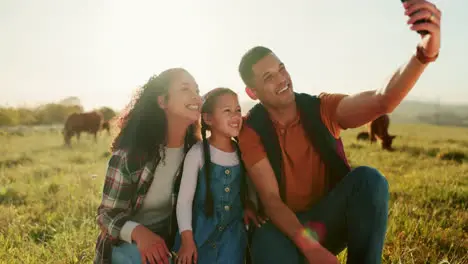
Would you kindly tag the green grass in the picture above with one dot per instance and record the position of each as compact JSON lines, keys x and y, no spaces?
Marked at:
{"x":49,"y":195}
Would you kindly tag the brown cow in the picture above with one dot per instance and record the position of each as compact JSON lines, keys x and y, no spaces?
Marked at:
{"x":378,"y":129}
{"x":106,"y":126}
{"x":363,"y":136}
{"x":90,"y":122}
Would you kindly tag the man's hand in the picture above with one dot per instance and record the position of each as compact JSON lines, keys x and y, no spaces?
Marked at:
{"x":250,"y":214}
{"x":312,"y":250}
{"x":320,"y":255}
{"x":152,"y":247}
{"x":424,"y":10}
{"x":358,"y":109}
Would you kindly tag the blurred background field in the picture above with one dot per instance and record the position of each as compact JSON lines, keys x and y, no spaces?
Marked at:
{"x":49,"y":193}
{"x":63,"y":57}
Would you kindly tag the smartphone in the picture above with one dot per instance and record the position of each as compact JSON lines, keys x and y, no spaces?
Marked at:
{"x":422,"y":32}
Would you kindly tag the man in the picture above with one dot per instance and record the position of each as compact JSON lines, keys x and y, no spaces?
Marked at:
{"x":292,"y":150}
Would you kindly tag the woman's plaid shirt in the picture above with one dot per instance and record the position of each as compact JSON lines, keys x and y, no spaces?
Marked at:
{"x":125,"y":187}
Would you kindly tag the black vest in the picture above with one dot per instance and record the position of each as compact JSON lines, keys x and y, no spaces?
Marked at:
{"x":330,"y":149}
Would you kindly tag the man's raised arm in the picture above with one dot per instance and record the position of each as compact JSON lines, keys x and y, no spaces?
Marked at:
{"x":358,"y":109}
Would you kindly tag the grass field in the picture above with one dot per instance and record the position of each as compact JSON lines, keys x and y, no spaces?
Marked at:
{"x":49,"y":195}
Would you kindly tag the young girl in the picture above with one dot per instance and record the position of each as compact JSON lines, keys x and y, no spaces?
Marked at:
{"x":212,"y":195}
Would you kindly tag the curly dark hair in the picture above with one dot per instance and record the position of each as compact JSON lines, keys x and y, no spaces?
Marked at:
{"x":143,"y":124}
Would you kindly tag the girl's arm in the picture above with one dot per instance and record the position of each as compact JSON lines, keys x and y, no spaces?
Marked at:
{"x":188,"y":184}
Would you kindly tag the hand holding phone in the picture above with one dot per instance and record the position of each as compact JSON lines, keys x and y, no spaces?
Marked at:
{"x":425,"y":18}
{"x":420,"y":21}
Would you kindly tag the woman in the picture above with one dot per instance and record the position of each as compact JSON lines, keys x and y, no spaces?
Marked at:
{"x":157,"y":129}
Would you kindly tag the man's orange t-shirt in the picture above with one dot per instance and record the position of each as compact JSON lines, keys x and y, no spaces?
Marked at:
{"x":303,"y":169}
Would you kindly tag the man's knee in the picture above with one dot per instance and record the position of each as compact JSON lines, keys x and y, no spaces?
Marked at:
{"x":270,"y":245}
{"x":377,"y":183}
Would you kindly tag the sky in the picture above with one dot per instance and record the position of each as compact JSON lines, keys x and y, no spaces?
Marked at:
{"x":102,"y":50}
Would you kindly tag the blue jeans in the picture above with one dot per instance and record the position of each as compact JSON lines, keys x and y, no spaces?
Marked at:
{"x":127,"y":254}
{"x":355,"y":216}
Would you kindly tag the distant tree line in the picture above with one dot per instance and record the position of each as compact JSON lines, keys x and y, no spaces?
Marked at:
{"x":445,"y":119}
{"x":47,"y":114}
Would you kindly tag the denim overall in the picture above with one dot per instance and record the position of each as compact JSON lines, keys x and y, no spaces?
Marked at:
{"x":220,"y":238}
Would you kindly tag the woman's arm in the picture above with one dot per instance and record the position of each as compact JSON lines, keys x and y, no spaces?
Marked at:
{"x":114,"y":210}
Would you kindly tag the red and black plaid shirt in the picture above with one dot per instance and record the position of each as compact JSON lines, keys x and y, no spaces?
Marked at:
{"x":125,"y":188}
